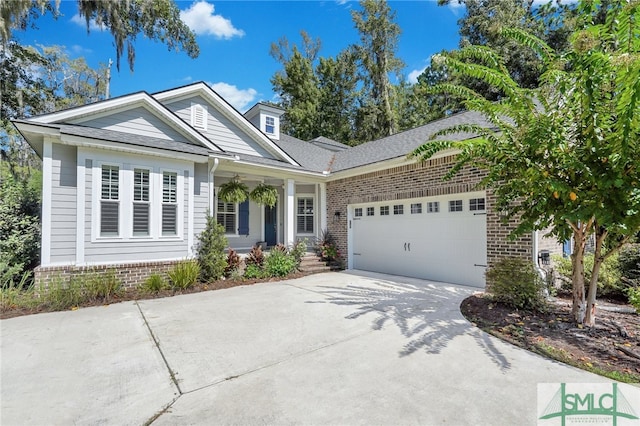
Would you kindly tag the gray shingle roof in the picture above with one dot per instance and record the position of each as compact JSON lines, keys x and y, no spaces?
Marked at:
{"x":131,"y":139}
{"x":308,"y":155}
{"x":401,"y":144}
{"x":329,"y":144}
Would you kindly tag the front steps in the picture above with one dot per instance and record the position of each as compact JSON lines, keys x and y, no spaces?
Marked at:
{"x":313,"y":264}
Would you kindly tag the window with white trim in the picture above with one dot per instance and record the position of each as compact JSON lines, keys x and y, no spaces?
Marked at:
{"x":398,"y":209}
{"x":416,"y":208}
{"x":455,"y":205}
{"x":304,"y":215}
{"x":476,"y":204}
{"x":371,"y":211}
{"x":199,"y":116}
{"x":110,"y":201}
{"x":226,"y":215}
{"x":358,"y":212}
{"x":141,"y":204}
{"x":433,"y":207}
{"x":270,"y":125}
{"x":169,"y":203}
{"x":384,"y":210}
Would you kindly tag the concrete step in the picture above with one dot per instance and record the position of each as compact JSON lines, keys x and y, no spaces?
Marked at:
{"x":315,"y":269}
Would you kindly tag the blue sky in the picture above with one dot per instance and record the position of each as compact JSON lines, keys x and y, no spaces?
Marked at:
{"x":234,"y":39}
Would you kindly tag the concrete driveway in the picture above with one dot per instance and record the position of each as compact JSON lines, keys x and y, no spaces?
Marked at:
{"x":333,"y":348}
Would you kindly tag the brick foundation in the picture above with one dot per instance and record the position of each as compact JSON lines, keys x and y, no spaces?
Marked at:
{"x":421,"y":179}
{"x":131,"y":275}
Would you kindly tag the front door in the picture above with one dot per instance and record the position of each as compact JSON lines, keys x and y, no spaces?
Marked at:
{"x":271,"y":225}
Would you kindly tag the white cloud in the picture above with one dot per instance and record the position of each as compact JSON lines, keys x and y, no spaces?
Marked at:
{"x":201,"y":19}
{"x":239,"y":98}
{"x":79,"y":50}
{"x":456,"y":6}
{"x":413,"y":75}
{"x":78,"y":20}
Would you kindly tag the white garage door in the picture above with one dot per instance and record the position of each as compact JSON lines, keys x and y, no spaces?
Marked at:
{"x":436,"y":238}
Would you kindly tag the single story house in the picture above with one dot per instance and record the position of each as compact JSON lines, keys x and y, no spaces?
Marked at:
{"x":128,"y":183}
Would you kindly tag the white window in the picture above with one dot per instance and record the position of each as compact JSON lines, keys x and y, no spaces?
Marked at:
{"x":455,"y":205}
{"x":398,"y":209}
{"x":371,"y":211}
{"x":270,"y":125}
{"x":305,"y":215}
{"x":476,"y":204}
{"x":110,"y":201}
{"x":416,"y":208}
{"x":433,"y":207}
{"x":141,"y":205}
{"x":227,"y":217}
{"x":384,"y":210}
{"x":358,"y":212}
{"x":199,"y":116}
{"x":169,"y":203}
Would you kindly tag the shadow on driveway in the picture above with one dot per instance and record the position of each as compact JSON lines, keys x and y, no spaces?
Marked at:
{"x":426,"y":313}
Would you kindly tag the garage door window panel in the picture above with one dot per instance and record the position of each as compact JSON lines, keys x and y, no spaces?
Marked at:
{"x":433,"y":207}
{"x":371,"y":211}
{"x":476,"y":204}
{"x":384,"y":210}
{"x":455,"y":205}
{"x":398,"y":209}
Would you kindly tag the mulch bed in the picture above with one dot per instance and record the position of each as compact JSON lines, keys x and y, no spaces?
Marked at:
{"x":611,"y":347}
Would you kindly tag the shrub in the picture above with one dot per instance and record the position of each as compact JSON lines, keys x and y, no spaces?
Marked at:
{"x":154,"y":283}
{"x":279,"y":263}
{"x":17,"y":294}
{"x":184,"y":274}
{"x":299,"y":250}
{"x":634,"y":298}
{"x":609,"y":278}
{"x":253,"y":271}
{"x":629,"y":264}
{"x":210,"y":251}
{"x":233,"y":263}
{"x":99,"y":286}
{"x":60,"y":295}
{"x":516,"y":283}
{"x":255,"y":257}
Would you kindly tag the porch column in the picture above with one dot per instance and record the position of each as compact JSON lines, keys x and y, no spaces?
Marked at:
{"x":47,"y":172}
{"x":289,"y":212}
{"x":322,"y":208}
{"x":213,"y":165}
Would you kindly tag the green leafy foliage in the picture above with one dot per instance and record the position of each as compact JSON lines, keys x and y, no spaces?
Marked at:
{"x":516,"y":283}
{"x":253,"y":271}
{"x":629,"y":263}
{"x":634,"y":297}
{"x":264,"y":194}
{"x":184,"y":275}
{"x":299,"y":250}
{"x":279,"y":263}
{"x":210,"y":251}
{"x":610,"y":283}
{"x":233,"y":191}
{"x":98,"y":286}
{"x":154,"y":283}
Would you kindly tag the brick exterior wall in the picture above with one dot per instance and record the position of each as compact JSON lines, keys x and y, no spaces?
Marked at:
{"x":131,"y":275}
{"x":422,"y":179}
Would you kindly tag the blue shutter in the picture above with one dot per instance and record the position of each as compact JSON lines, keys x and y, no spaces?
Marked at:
{"x":243,"y":218}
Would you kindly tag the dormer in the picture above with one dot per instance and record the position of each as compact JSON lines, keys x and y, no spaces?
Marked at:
{"x":266,"y":118}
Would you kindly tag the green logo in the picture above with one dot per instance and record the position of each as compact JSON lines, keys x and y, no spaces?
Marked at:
{"x":604,"y":402}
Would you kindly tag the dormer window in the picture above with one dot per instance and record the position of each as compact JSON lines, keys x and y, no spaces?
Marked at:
{"x":270,"y":125}
{"x":199,"y":116}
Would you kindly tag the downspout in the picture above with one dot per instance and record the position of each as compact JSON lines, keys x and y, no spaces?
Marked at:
{"x":536,"y":264}
{"x":212,"y":170}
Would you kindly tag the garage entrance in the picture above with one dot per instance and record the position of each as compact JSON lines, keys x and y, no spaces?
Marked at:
{"x":437,"y":238}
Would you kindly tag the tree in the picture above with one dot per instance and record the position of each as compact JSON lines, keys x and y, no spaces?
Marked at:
{"x":379,"y":36}
{"x":155,"y":19}
{"x":564,"y":157}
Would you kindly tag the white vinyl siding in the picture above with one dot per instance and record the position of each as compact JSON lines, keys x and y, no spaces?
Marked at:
{"x":222,"y":131}
{"x":63,"y":204}
{"x":169,"y":203}
{"x":137,"y":121}
{"x":304,"y":215}
{"x":200,"y":198}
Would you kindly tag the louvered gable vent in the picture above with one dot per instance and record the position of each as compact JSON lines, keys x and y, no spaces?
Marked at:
{"x":199,"y":116}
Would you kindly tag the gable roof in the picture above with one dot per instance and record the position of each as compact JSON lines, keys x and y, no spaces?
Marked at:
{"x":329,"y":144}
{"x":126,"y":102}
{"x":226,"y":109}
{"x":401,"y":144}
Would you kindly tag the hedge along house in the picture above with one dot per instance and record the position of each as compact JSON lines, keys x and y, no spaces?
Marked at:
{"x":128,"y":183}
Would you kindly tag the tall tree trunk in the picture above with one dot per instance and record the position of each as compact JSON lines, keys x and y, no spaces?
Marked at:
{"x":579,"y":307}
{"x":598,"y":259}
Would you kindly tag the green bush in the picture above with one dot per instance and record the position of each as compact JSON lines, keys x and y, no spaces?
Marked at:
{"x":210,"y":251}
{"x":609,"y":278}
{"x":184,"y":275}
{"x":253,"y":271}
{"x":279,"y":263}
{"x":629,"y":264}
{"x":62,"y":295}
{"x":516,"y":283}
{"x":299,"y":250}
{"x":154,"y":283}
{"x":634,"y":298}
{"x":99,"y":286}
{"x":18,"y":294}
